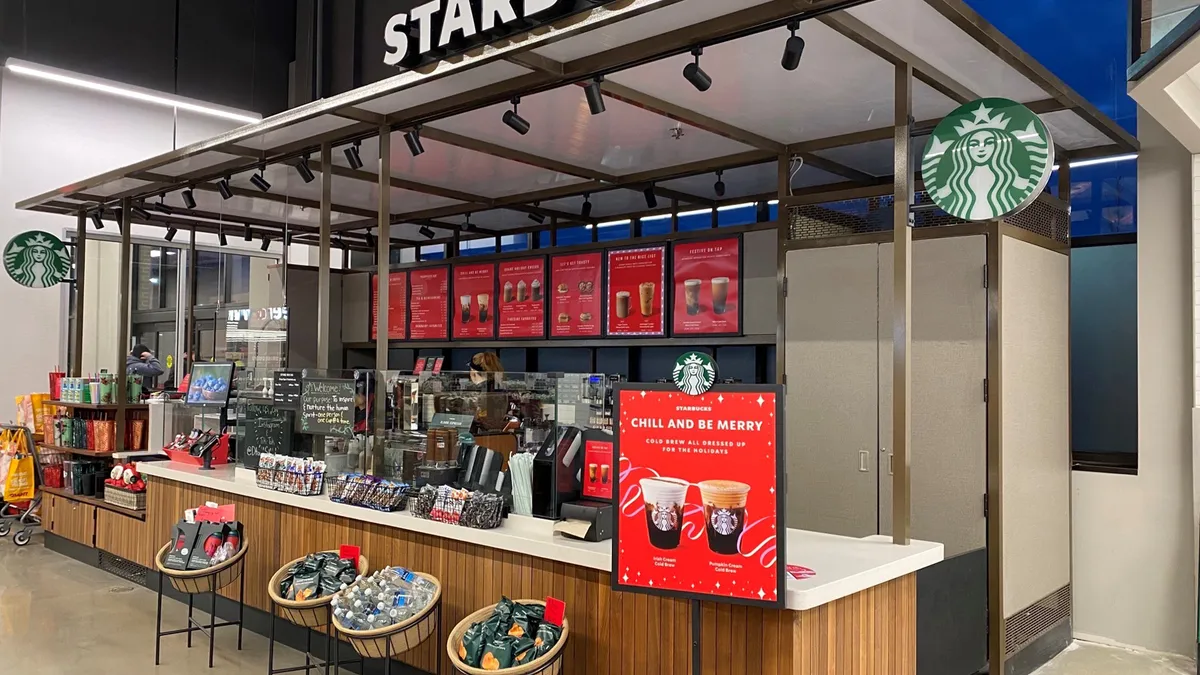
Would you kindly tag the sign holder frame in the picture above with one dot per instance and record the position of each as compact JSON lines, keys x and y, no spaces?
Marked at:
{"x":741,"y":277}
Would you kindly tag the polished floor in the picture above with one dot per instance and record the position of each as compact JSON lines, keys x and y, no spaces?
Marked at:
{"x":58,"y":616}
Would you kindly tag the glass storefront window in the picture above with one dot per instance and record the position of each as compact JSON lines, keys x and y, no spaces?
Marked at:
{"x":208,"y":278}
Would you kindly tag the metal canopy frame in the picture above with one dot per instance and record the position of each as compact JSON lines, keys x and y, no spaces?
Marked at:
{"x":920,"y":58}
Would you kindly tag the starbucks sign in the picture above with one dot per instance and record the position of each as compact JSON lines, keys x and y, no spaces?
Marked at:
{"x":37,"y":259}
{"x":695,"y":373}
{"x":988,"y":159}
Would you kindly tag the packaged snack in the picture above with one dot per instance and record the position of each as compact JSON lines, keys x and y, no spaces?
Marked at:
{"x":470,"y":647}
{"x":524,"y":621}
{"x":547,"y":636}
{"x":523,"y":650}
{"x":305,"y":586}
{"x":498,"y":654}
{"x":183,"y":540}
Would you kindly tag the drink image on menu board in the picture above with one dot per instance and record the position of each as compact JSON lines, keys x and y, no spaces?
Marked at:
{"x":521,"y":314}
{"x":508,"y":292}
{"x":575,"y":295}
{"x":665,"y":499}
{"x":635,"y":291}
{"x":474,"y":286}
{"x":707,"y":275}
{"x":724,"y":514}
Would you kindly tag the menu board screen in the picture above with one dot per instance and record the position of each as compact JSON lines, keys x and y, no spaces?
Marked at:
{"x":397,"y":305}
{"x":522,"y":311}
{"x":635,"y":291}
{"x":701,"y":509}
{"x":428,"y":291}
{"x":474,"y":298}
{"x":707,"y":287}
{"x":576,"y":295}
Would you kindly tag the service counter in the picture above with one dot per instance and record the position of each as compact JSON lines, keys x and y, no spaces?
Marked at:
{"x":855,"y":615}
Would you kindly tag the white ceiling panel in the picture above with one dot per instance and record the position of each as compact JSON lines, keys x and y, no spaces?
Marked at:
{"x":115,"y":186}
{"x":231,"y":210}
{"x":874,"y":158}
{"x":467,"y":171}
{"x":645,"y":26}
{"x":494,"y":219}
{"x":458,"y":83}
{"x":839,"y":87}
{"x":198,"y":162}
{"x":297,"y":132}
{"x":919,"y":28}
{"x":1070,"y":131}
{"x":624,"y":139}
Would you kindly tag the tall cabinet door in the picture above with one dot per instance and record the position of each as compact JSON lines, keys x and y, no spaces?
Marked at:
{"x":832,"y":384}
{"x":948,"y":450}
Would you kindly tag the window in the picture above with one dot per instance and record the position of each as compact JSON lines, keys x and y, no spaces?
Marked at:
{"x":656,"y":225}
{"x":613,"y":231}
{"x":155,"y":277}
{"x":738,"y":214}
{"x":477,"y":246}
{"x":695,"y":220}
{"x":514,"y":242}
{"x":208,"y":278}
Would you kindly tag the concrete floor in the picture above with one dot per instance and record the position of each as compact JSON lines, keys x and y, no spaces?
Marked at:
{"x":58,"y":615}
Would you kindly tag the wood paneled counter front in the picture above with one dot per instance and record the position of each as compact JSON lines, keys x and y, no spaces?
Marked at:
{"x":856,"y":616}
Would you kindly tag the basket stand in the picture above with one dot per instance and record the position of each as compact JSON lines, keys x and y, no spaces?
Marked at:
{"x":392,"y":641}
{"x":388,"y":654}
{"x":333,"y":646}
{"x":196,"y":582}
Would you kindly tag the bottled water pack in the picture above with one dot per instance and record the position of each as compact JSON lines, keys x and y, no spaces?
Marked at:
{"x":387,"y":597}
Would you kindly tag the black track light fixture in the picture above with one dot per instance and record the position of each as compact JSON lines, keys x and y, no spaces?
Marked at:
{"x":413,"y":140}
{"x":98,"y":219}
{"x":306,"y":173}
{"x":162,"y":207}
{"x":513,"y":120}
{"x":536,"y":216}
{"x":594,"y":95}
{"x":586,"y":210}
{"x":189,"y":199}
{"x":259,"y":181}
{"x":370,"y":240}
{"x":793,"y":49}
{"x":247,"y":234}
{"x":353,"y":158}
{"x":221,"y":236}
{"x":140,"y":211}
{"x":341,"y":243}
{"x":693,"y":73}
{"x":171,"y":232}
{"x":651,"y":198}
{"x":467,"y":226}
{"x":266,"y":243}
{"x":427,"y":232}
{"x":224,"y":189}
{"x":719,"y":186}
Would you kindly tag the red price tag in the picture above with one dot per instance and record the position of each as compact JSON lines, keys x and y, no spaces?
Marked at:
{"x":556,"y":611}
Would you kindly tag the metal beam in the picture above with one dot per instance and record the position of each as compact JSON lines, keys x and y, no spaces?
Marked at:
{"x":80,"y":278}
{"x":900,"y":462}
{"x":323,"y":259}
{"x":267,"y":196}
{"x":383,"y":286}
{"x":124,"y":317}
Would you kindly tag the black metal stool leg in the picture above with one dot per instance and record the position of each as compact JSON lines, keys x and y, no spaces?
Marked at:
{"x":191,"y":602}
{"x":212,"y":625}
{"x":387,"y":664}
{"x":328,"y":635}
{"x":241,"y":608}
{"x":271,"y":648}
{"x":158,"y":622}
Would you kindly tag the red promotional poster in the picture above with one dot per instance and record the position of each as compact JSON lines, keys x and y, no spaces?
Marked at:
{"x":700,"y":509}
{"x":428,"y":308}
{"x":474,"y":304}
{"x":397,"y":305}
{"x":707,"y":287}
{"x":597,"y":462}
{"x":635,"y":291}
{"x":576,"y":300}
{"x":522,"y":311}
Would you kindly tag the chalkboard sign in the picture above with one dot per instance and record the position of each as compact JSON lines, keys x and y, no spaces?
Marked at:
{"x":286,"y":389}
{"x":327,"y":407}
{"x":265,"y":429}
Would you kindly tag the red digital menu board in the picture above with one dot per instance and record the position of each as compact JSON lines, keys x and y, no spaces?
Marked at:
{"x":428,"y":308}
{"x":700,"y":505}
{"x":397,"y":305}
{"x":707,"y":283}
{"x":522,"y":307}
{"x":576,"y":288}
{"x":474,"y":302}
{"x":635,"y":291}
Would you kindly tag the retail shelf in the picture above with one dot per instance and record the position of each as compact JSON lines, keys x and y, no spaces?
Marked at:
{"x":97,"y":502}
{"x":76,"y":451}
{"x":98,"y":406}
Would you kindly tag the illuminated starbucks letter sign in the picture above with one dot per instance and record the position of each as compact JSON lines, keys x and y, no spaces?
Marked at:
{"x":988,"y":159}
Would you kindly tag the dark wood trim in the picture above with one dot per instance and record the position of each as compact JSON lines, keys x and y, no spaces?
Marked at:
{"x":1115,"y":239}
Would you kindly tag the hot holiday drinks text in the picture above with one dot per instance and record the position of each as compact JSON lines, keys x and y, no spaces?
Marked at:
{"x":703,"y":425}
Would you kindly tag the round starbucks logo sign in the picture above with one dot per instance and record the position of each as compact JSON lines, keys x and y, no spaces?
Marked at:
{"x":988,"y":159}
{"x":694,"y":373}
{"x":37,"y":259}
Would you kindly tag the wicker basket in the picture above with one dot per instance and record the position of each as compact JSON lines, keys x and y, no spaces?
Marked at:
{"x":126,"y":499}
{"x":548,"y":664}
{"x":202,"y":581}
{"x":404,"y":636}
{"x":307,"y":613}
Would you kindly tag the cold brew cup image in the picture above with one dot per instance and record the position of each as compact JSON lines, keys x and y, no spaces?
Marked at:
{"x":592,"y":472}
{"x":482,"y":299}
{"x":720,"y":293}
{"x":647,"y":298}
{"x":622,"y":304}
{"x":522,"y":291}
{"x":724,"y":514}
{"x":465,"y":301}
{"x":604,"y":469}
{"x":665,"y":498}
{"x":691,"y":295}
{"x":537,"y":290}
{"x":508,"y":292}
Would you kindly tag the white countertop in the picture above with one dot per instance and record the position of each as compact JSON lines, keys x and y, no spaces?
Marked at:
{"x":843,"y":565}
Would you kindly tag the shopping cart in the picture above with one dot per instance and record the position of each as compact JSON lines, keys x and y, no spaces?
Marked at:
{"x":25,"y":515}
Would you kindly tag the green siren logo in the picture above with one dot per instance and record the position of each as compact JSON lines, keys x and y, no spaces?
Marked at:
{"x":988,"y":159}
{"x":37,"y":259}
{"x":695,"y":373}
